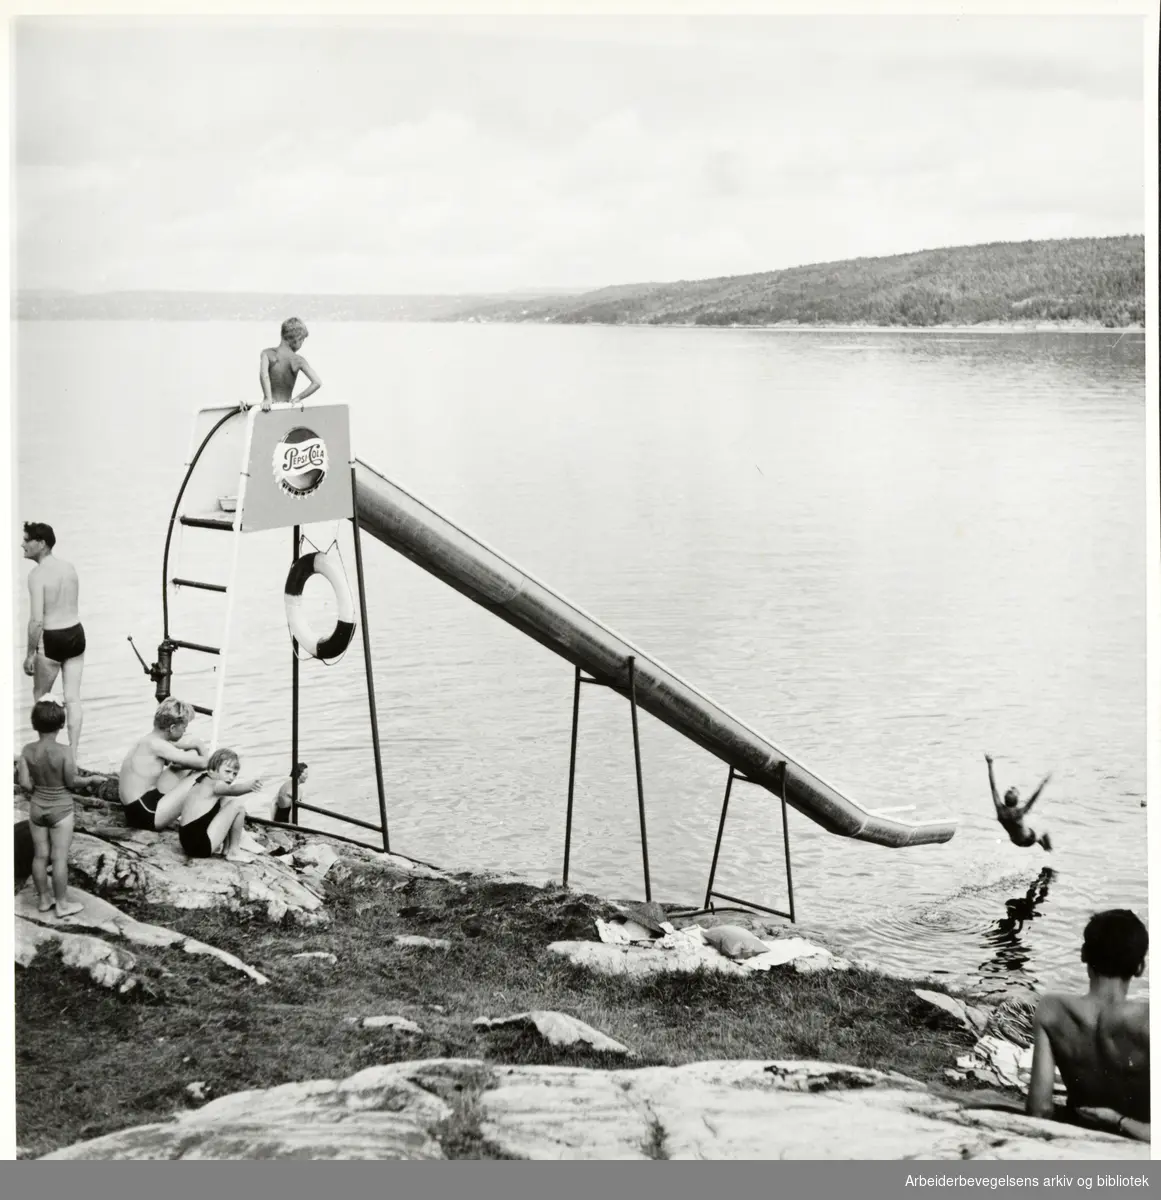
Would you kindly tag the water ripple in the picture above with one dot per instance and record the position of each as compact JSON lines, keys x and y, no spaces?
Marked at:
{"x":889,"y":562}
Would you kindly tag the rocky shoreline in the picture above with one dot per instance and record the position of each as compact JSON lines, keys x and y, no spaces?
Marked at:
{"x":596,"y":1029}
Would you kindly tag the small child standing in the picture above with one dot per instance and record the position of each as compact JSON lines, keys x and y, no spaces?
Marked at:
{"x":284,"y":801}
{"x":208,"y":824}
{"x":46,"y":769}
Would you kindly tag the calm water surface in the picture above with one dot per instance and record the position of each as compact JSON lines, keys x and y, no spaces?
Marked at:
{"x":889,"y":552}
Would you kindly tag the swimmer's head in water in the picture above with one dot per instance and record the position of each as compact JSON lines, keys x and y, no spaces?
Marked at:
{"x":225,"y":764}
{"x":171,"y":713}
{"x":294,"y":332}
{"x":1115,"y":944}
{"x":47,"y":716}
{"x":1012,"y":797}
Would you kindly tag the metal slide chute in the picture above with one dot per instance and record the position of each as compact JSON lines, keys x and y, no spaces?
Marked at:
{"x":400,"y":520}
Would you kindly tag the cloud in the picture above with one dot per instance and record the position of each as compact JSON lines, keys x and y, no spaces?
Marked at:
{"x":415,"y":157}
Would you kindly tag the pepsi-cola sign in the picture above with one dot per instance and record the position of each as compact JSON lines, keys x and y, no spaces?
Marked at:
{"x":300,"y":462}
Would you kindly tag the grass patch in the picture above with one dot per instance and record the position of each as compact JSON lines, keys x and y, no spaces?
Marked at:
{"x":460,"y":1135}
{"x":655,"y":1143}
{"x":89,"y":1062}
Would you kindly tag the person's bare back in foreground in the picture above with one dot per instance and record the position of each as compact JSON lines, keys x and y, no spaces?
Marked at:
{"x":1098,"y":1041}
{"x":278,"y":367}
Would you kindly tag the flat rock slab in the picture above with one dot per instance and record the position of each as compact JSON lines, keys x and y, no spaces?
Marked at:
{"x":399,"y":1024}
{"x":380,"y":1113}
{"x":153,"y":868}
{"x":419,"y":942}
{"x":100,"y":918}
{"x":556,"y":1028}
{"x":393,"y":864}
{"x":109,"y":966}
{"x":707,"y":1110}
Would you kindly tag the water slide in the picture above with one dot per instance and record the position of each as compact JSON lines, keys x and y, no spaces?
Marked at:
{"x":405,"y":523}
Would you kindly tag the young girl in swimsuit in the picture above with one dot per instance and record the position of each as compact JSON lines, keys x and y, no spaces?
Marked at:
{"x":210,"y":823}
{"x":47,"y":770}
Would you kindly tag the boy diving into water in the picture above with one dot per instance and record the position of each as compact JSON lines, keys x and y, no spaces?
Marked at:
{"x":1011,"y":813}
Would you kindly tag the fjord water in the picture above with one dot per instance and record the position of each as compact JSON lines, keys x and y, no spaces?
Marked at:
{"x":888,"y":552}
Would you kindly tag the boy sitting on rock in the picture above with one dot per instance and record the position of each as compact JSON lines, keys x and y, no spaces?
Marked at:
{"x":210,"y":823}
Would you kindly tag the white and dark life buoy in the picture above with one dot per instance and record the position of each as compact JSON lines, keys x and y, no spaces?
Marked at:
{"x":339,"y":638}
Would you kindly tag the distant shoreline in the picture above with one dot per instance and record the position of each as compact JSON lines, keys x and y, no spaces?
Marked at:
{"x":982,"y":327}
{"x":779,"y":327}
{"x":824,"y":327}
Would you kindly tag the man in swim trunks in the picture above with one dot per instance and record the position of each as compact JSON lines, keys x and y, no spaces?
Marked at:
{"x":1010,"y":812}
{"x":1099,"y":1041}
{"x":56,"y":638}
{"x":279,"y":366}
{"x":156,"y":764}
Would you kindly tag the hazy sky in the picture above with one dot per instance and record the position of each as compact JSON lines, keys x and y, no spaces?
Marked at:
{"x":461,"y":154}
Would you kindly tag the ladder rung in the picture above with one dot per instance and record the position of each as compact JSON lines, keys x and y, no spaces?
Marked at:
{"x":196,"y":646}
{"x":195,"y":583}
{"x":207,"y":522}
{"x":206,"y":712}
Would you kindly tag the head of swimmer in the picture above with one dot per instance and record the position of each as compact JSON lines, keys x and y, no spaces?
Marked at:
{"x":294,"y":333}
{"x":1012,"y":797}
{"x":172,"y":718}
{"x":224,"y":765}
{"x":39,"y":540}
{"x":1115,"y":945}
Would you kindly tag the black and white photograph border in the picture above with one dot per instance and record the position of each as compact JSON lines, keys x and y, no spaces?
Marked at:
{"x":389,"y":957}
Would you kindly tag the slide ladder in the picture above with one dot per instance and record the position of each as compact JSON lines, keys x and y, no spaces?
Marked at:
{"x":192,"y":513}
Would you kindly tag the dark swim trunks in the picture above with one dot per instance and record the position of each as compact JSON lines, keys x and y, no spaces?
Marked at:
{"x":62,"y":644}
{"x":142,"y":813}
{"x":194,"y":836}
{"x":1029,"y":838}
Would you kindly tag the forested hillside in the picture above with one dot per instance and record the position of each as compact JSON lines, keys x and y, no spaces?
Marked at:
{"x":1092,"y":280}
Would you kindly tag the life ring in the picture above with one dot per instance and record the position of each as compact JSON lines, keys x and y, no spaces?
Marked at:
{"x":339,"y":638}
